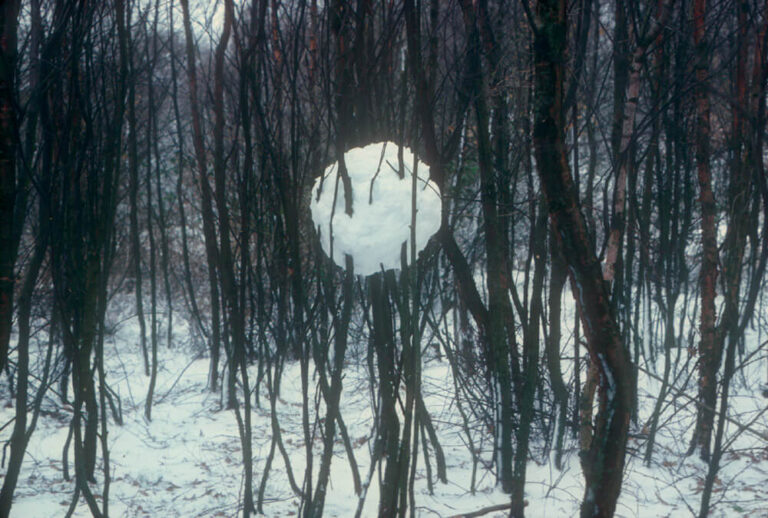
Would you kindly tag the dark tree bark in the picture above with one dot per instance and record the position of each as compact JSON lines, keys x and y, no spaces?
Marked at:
{"x":710,"y":348}
{"x":333,"y":390}
{"x":530,"y":362}
{"x":604,"y":463}
{"x":9,"y":222}
{"x":133,"y":167}
{"x":388,"y":439}
{"x":151,"y":142}
{"x":557,"y":279}
{"x":499,"y":306}
{"x":21,"y":433}
{"x":159,"y":158}
{"x":209,"y":231}
{"x":86,"y":126}
{"x":730,"y":332}
{"x":233,"y":310}
{"x":180,"y":164}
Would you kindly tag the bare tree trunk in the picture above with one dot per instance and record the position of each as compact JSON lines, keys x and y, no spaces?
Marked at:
{"x":604,"y":465}
{"x":627,"y":132}
{"x":233,"y":311}
{"x":152,"y":137}
{"x":133,"y":167}
{"x":730,"y":332}
{"x":333,"y":396}
{"x":710,"y":348}
{"x":8,"y":222}
{"x":558,"y":277}
{"x":209,"y":232}
{"x":389,"y":425}
{"x":21,"y":433}
{"x":499,"y":307}
{"x":161,"y":211}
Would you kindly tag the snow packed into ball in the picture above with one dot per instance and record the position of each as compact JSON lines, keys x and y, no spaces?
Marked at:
{"x":381,"y":220}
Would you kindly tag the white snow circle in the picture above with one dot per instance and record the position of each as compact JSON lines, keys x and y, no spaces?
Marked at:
{"x":381,"y":208}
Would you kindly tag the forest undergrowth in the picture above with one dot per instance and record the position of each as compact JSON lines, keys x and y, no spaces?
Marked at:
{"x":187,"y":461}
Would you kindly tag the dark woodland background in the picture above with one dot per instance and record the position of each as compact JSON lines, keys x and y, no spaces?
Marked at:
{"x":605,"y":150}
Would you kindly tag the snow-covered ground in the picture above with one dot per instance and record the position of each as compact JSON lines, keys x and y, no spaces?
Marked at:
{"x":186,"y":462}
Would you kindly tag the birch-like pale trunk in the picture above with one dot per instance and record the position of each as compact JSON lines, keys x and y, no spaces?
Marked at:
{"x":618,"y":221}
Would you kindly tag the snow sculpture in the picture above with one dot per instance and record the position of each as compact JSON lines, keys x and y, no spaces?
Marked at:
{"x":381,"y":221}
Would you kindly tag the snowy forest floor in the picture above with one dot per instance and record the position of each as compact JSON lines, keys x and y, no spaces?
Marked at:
{"x":186,"y":462}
